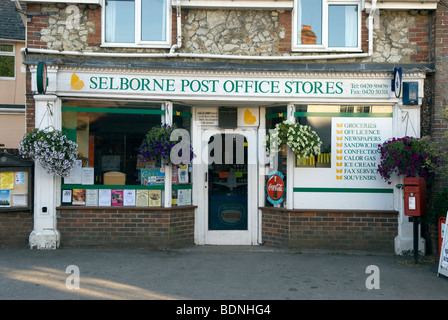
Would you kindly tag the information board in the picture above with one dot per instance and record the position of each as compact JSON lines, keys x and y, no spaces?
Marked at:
{"x":14,"y":189}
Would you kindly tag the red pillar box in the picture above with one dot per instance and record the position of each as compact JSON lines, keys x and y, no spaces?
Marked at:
{"x":414,"y":197}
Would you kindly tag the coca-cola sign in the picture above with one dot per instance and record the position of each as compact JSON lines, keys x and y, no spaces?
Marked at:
{"x":275,"y":187}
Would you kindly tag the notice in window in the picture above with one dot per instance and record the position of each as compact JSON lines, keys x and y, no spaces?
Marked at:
{"x":355,"y":153}
{"x":207,"y":118}
{"x":75,"y":176}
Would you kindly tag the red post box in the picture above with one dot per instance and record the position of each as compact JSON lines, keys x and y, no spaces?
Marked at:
{"x":414,"y":197}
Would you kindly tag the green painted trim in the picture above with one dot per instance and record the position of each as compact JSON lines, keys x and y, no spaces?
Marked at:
{"x":112,"y":110}
{"x":344,"y":190}
{"x":181,"y":186}
{"x":343,"y":115}
{"x":275,"y":115}
{"x":183,"y":114}
{"x":112,"y":186}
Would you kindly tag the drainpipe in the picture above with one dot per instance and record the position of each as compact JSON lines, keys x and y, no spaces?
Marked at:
{"x":371,"y":15}
{"x":178,"y":45}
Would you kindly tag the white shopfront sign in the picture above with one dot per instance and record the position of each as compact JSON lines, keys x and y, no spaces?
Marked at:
{"x":214,"y":86}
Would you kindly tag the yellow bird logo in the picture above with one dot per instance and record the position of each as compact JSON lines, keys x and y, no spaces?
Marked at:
{"x":75,"y":83}
{"x":249,"y":118}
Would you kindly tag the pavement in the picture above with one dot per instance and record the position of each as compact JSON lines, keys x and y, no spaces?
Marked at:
{"x":216,"y":273}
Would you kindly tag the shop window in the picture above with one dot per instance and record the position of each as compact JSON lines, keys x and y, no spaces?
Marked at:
{"x":109,"y":135}
{"x":319,"y":117}
{"x":108,"y":171}
{"x":327,"y":25}
{"x":137,"y":22}
{"x":7,"y":61}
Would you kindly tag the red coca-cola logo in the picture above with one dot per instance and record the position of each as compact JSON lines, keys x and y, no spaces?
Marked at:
{"x":275,"y":187}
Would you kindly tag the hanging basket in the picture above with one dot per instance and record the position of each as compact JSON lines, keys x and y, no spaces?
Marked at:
{"x":303,"y":141}
{"x":51,"y":148}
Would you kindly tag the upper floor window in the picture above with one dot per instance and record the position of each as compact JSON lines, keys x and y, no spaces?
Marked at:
{"x":327,"y":25}
{"x":137,"y":22}
{"x":7,"y":60}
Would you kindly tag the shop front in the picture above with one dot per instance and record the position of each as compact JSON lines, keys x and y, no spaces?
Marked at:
{"x":233,"y":192}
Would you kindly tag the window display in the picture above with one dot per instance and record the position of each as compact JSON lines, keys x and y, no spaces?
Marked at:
{"x":109,"y":171}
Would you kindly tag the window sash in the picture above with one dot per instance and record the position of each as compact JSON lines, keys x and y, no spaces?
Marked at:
{"x":326,"y":44}
{"x":139,"y":20}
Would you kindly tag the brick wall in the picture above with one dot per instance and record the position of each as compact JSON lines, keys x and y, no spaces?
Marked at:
{"x":285,"y":20}
{"x":439,"y":124}
{"x":420,"y":34}
{"x":15,"y":229}
{"x":336,"y":230}
{"x":29,"y":104}
{"x":37,"y":22}
{"x":94,"y":39}
{"x":126,"y":227}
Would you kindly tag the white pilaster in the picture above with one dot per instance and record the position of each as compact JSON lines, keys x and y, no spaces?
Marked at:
{"x":407,"y":123}
{"x":46,"y":186}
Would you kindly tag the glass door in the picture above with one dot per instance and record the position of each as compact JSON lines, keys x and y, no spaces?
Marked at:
{"x":228,"y":182}
{"x":227,"y":202}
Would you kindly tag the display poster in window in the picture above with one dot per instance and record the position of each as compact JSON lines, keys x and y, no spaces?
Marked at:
{"x":155,"y":198}
{"x":79,"y":197}
{"x":91,"y":197}
{"x":117,"y":198}
{"x":152,"y":176}
{"x":66,"y":197}
{"x":104,"y":197}
{"x":141,"y":198}
{"x":87,"y":175}
{"x":183,"y":173}
{"x":184,"y":197}
{"x":129,"y":197}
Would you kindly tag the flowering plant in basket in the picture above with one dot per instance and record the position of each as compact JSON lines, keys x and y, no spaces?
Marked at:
{"x":54,"y":151}
{"x":300,"y":138}
{"x":161,"y":142}
{"x":409,"y":157}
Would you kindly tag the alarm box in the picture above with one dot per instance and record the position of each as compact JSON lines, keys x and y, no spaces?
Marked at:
{"x":410,"y":93}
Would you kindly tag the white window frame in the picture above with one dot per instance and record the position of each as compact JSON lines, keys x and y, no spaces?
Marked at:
{"x":138,"y":43}
{"x":9,"y":54}
{"x":324,"y":46}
